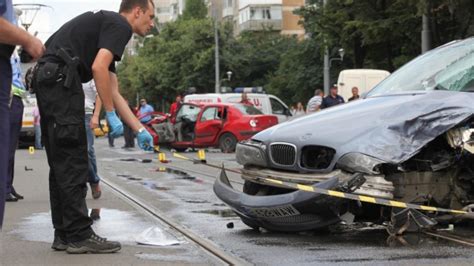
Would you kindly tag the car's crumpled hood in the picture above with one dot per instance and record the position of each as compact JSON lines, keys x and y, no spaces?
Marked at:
{"x":390,"y":128}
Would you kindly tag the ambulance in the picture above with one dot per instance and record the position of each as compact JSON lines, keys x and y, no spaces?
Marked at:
{"x":267,"y":103}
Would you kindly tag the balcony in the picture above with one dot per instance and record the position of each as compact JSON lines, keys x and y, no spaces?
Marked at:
{"x":260,"y":24}
{"x":228,"y":12}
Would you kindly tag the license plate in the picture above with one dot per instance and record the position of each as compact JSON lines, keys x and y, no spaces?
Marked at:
{"x":283,"y":211}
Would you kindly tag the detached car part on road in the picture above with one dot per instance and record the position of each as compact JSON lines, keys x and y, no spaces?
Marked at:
{"x":410,"y":139}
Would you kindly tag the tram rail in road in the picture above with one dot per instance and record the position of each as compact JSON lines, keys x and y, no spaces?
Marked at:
{"x":208,"y":246}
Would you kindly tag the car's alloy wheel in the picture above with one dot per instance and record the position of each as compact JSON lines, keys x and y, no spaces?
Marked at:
{"x":227,"y":142}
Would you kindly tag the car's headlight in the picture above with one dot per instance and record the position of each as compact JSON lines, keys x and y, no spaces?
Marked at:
{"x":251,"y":153}
{"x":358,"y":162}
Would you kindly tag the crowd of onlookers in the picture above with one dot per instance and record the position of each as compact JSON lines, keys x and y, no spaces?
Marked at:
{"x":319,"y":101}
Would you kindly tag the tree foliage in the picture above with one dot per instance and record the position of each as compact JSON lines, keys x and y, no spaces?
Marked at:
{"x":194,"y":9}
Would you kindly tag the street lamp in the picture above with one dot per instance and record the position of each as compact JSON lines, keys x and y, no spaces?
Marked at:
{"x":340,"y":58}
{"x":229,"y":76}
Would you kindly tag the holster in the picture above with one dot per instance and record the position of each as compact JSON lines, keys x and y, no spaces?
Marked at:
{"x":53,"y":72}
{"x":71,"y":66}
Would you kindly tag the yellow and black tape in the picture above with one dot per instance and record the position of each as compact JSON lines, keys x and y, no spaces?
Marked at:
{"x":368,"y":199}
{"x":344,"y":195}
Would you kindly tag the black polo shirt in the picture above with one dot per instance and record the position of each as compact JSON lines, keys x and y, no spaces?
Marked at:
{"x":85,"y":34}
{"x":330,"y":101}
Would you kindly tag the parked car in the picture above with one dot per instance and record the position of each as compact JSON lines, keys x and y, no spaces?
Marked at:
{"x":411,"y":140}
{"x":213,"y":125}
{"x":267,"y":103}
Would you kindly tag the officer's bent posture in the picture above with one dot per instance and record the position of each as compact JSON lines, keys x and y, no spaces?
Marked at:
{"x":84,"y":48}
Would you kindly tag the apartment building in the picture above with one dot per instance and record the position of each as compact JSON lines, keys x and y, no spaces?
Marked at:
{"x":257,"y":15}
{"x":168,"y":10}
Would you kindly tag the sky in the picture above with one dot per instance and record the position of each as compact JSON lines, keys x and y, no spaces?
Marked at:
{"x":49,"y":19}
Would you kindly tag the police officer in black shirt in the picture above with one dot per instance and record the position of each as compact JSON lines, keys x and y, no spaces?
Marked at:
{"x":84,"y":48}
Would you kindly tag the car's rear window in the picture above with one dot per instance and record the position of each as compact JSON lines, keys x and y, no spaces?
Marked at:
{"x":248,"y":109}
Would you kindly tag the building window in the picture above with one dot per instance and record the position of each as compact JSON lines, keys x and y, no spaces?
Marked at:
{"x":252,"y":13}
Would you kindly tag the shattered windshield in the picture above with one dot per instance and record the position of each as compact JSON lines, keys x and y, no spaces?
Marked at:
{"x":450,"y":67}
{"x":189,"y":112}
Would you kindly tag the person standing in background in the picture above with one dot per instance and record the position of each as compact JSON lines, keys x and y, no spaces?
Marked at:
{"x":355,"y":94}
{"x":16,"y":119}
{"x":36,"y":123}
{"x":92,"y":107}
{"x":10,"y":35}
{"x":146,"y":111}
{"x":332,"y":99}
{"x":245,"y":99}
{"x":314,"y":104}
{"x":175,"y":106}
{"x":299,"y":111}
{"x":128,"y":134}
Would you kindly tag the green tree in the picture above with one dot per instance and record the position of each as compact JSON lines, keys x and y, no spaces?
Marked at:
{"x":450,"y":20}
{"x":254,"y":57}
{"x":194,"y":9}
{"x":179,"y":58}
{"x":375,"y":33}
{"x":300,"y":72}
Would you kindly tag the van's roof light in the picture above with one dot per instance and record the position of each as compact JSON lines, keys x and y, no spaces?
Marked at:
{"x":249,"y":90}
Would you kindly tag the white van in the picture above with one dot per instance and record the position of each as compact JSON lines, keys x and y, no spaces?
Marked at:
{"x":267,"y":103}
{"x":364,"y":79}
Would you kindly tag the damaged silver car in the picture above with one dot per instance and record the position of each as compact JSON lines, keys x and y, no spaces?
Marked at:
{"x":410,"y":139}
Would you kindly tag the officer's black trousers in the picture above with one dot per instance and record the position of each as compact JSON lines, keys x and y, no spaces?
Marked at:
{"x":64,"y":137}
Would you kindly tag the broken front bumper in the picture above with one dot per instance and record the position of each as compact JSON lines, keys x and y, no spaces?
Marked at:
{"x":290,"y":212}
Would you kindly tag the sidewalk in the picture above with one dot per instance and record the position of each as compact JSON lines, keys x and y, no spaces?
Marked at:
{"x":27,"y":232}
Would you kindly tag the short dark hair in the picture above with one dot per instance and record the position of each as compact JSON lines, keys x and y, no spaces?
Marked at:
{"x":128,"y":5}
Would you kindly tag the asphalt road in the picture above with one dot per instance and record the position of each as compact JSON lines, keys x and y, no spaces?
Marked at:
{"x":187,"y":197}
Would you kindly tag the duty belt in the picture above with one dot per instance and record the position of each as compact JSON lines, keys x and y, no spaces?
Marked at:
{"x":71,"y":63}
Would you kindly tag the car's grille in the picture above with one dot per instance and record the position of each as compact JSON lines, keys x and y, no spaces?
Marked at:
{"x":316,"y":157}
{"x":283,"y":154}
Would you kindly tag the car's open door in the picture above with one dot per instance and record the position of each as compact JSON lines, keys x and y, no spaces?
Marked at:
{"x":209,"y":124}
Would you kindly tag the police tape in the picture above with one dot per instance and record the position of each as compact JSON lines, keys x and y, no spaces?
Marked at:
{"x":337,"y":194}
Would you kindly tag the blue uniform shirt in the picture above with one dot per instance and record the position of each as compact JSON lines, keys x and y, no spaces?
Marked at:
{"x":329,"y":101}
{"x":17,"y":83}
{"x":6,"y":10}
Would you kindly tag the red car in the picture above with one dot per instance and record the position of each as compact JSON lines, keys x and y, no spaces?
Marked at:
{"x":215,"y":125}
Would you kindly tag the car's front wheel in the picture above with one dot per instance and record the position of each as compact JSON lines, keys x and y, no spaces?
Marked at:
{"x":227,"y":142}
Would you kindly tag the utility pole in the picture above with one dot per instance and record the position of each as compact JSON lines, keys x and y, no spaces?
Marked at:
{"x":426,"y":32}
{"x":216,"y":50}
{"x":326,"y":64}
